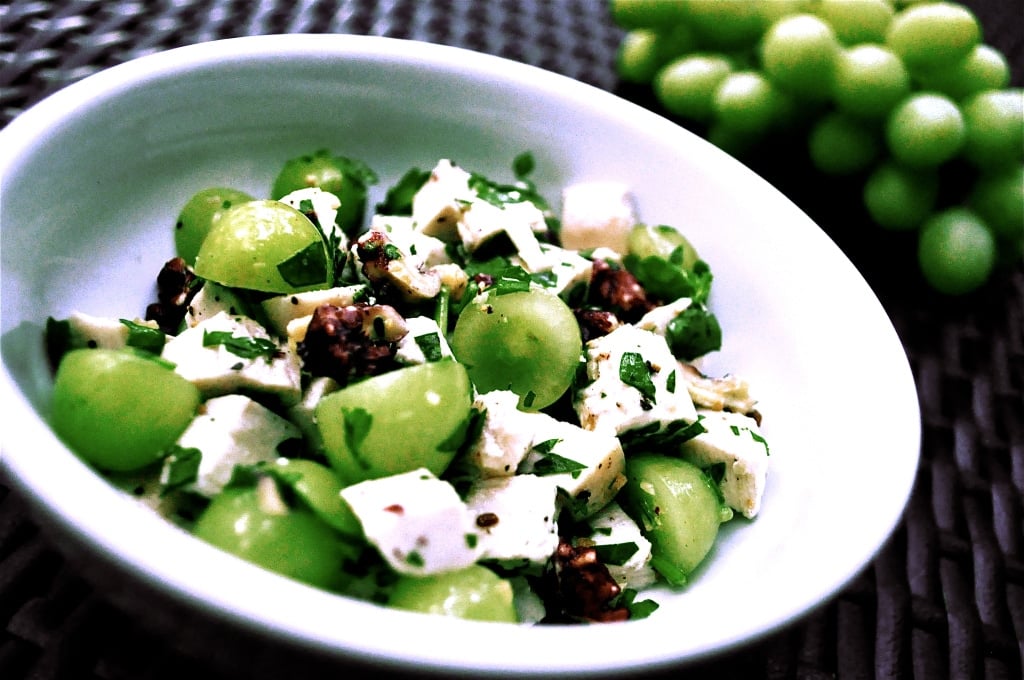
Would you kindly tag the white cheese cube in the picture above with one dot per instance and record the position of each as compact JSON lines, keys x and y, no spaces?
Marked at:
{"x":568,"y":267}
{"x":506,"y":434}
{"x":423,"y":249}
{"x":610,"y":404}
{"x":303,"y":414}
{"x":735,"y":440}
{"x":437,"y":205}
{"x":283,"y":309}
{"x":594,"y":464}
{"x":211,"y":300}
{"x":325,"y":206}
{"x":91,"y":331}
{"x":417,"y":522}
{"x":233,"y":430}
{"x":516,"y":517}
{"x":216,"y":370}
{"x":423,"y":332}
{"x":596,"y":214}
{"x":612,"y":526}
{"x":482,"y":221}
{"x":658,"y":319}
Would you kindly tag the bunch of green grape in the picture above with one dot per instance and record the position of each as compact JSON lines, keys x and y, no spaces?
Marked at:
{"x":903,"y":96}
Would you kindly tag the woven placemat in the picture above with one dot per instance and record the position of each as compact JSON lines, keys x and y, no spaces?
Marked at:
{"x":945,"y":596}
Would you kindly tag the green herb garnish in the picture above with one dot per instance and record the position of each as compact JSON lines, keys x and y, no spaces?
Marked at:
{"x":243,"y":346}
{"x":636,"y":372}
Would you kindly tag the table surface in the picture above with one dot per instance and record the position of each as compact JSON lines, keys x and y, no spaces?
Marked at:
{"x":945,"y":596}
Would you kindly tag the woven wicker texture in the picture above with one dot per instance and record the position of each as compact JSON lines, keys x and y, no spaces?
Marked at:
{"x":943,"y":599}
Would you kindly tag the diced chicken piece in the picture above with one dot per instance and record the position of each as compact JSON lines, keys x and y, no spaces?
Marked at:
{"x":613,"y":527}
{"x":588,"y":466}
{"x":283,"y":309}
{"x":516,"y":518}
{"x":734,"y":440}
{"x":417,"y":522}
{"x":633,"y":384}
{"x":424,"y":342}
{"x":215,"y":356}
{"x":233,"y":430}
{"x":596,"y":214}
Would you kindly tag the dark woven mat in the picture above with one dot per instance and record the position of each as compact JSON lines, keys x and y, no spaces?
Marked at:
{"x":943,"y":599}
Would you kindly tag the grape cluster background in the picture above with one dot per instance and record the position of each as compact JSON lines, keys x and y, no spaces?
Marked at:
{"x":943,"y":599}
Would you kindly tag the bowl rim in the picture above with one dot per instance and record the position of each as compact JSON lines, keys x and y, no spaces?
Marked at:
{"x":375,"y":643}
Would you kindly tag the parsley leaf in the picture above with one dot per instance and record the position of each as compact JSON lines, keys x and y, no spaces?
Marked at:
{"x":635,"y":372}
{"x":180,"y":467}
{"x":430,"y":345}
{"x":398,"y":199}
{"x":306,"y":267}
{"x":616,"y":553}
{"x":654,"y":436}
{"x":358,"y":422}
{"x":693,"y":333}
{"x":243,"y":346}
{"x":144,"y":337}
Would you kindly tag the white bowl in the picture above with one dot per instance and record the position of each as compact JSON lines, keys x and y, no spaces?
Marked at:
{"x":94,"y":177}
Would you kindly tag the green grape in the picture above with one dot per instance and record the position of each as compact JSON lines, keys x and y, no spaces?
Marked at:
{"x":898,"y":197}
{"x":726,"y":25}
{"x":857,"y":21}
{"x":840,"y":144}
{"x":994,"y":128}
{"x":678,"y":509}
{"x":998,"y":198}
{"x":638,"y":58}
{"x":956,"y":251}
{"x":748,"y":102}
{"x":686,"y":86}
{"x":870,"y":80}
{"x":320,"y":489}
{"x":660,"y":240}
{"x":267,"y":246}
{"x":396,"y":422}
{"x":773,"y":10}
{"x":984,"y":68}
{"x":646,"y":13}
{"x":120,"y":410}
{"x":736,"y":143}
{"x":199,"y":214}
{"x":925,"y":130}
{"x":933,"y":35}
{"x":344,"y":177}
{"x":475,"y":593}
{"x":528,"y":342}
{"x":289,"y":541}
{"x":798,"y":53}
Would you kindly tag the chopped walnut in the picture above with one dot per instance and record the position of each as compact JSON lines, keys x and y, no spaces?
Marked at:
{"x":586,"y":586}
{"x":337,"y":346}
{"x":176,"y":285}
{"x":618,"y":291}
{"x":389,"y":270}
{"x":595,"y":323}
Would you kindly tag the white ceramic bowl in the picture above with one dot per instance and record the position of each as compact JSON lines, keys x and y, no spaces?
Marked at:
{"x":94,"y":177}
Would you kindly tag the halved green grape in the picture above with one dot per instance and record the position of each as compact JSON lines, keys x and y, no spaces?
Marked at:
{"x":925,"y":130}
{"x":994,"y":123}
{"x":870,"y":80}
{"x":686,"y":86}
{"x":346,"y":178}
{"x":678,"y":509}
{"x":798,"y":53}
{"x":267,"y":246}
{"x":120,"y":410}
{"x":898,"y":197}
{"x":528,"y":342}
{"x":748,"y":102}
{"x":320,"y":489}
{"x":998,"y":198}
{"x":396,"y":422}
{"x":661,"y":240}
{"x":646,"y":13}
{"x":290,"y":541}
{"x":956,"y":251}
{"x":666,"y":264}
{"x":840,"y":144}
{"x":201,"y":211}
{"x":933,"y":35}
{"x":729,"y":25}
{"x":857,"y":21}
{"x":984,"y":68}
{"x":475,"y":593}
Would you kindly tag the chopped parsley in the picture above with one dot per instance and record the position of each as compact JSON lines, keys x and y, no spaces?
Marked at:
{"x":358,"y":422}
{"x":308,"y":267}
{"x":669,"y":437}
{"x":616,"y":553}
{"x":243,"y":346}
{"x":550,"y":463}
{"x":180,"y":467}
{"x":430,"y":345}
{"x":636,"y":372}
{"x":144,"y":337}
